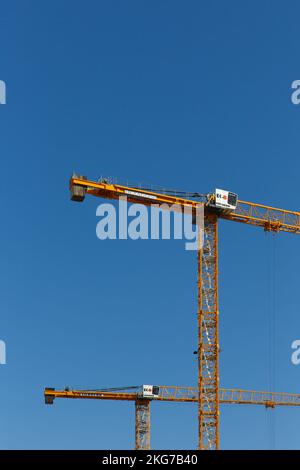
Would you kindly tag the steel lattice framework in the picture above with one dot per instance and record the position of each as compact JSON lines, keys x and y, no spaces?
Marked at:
{"x":208,"y":340}
{"x":177,"y":394}
{"x":172,"y":394}
{"x":269,"y":218}
{"x":142,"y":424}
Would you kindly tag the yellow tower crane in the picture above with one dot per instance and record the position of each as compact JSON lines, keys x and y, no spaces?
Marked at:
{"x":220,"y":204}
{"x":144,"y":394}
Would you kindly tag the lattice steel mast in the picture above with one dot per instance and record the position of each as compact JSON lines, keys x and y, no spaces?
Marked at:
{"x":142,"y":424}
{"x":208,"y":336}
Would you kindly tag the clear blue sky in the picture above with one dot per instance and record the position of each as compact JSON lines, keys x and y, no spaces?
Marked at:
{"x":188,"y":95}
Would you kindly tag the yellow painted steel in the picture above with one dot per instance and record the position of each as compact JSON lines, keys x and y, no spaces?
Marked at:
{"x":174,"y":394}
{"x":208,"y":337}
{"x":186,"y":395}
{"x":269,"y":218}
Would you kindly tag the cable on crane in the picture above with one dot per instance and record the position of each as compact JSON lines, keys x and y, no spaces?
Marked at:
{"x":111,"y":389}
{"x":271,"y":337}
{"x":173,"y":192}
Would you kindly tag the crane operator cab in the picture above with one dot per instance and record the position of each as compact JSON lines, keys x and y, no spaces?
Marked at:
{"x":149,"y":391}
{"x":223,"y":201}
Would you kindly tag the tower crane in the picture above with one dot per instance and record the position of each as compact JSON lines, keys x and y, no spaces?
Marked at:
{"x":144,"y":394}
{"x":219,"y":204}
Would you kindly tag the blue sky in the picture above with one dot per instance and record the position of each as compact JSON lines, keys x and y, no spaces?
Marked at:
{"x":187,"y":95}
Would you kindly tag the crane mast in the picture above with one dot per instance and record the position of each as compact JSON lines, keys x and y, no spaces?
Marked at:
{"x":142,"y":424}
{"x":269,"y":218}
{"x":208,"y":336}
